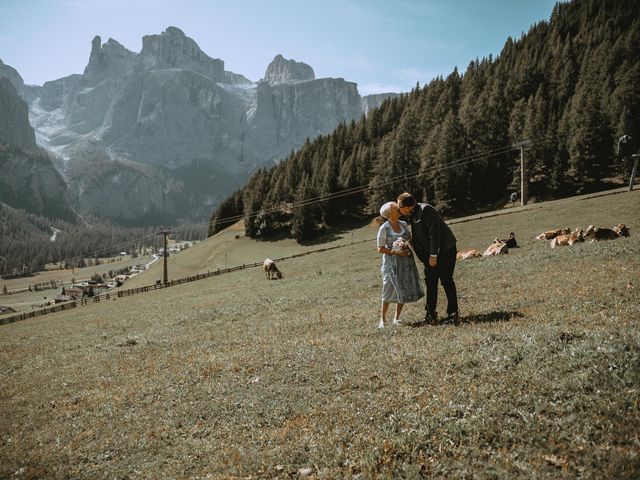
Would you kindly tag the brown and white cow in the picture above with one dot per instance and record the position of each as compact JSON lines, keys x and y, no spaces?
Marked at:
{"x":468,"y":253}
{"x":496,"y":248}
{"x":621,"y":229}
{"x":549,"y":234}
{"x":561,"y":240}
{"x":511,"y":241}
{"x":596,"y":233}
{"x":270,"y":269}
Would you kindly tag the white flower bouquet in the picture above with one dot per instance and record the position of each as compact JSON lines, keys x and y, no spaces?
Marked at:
{"x":400,"y":245}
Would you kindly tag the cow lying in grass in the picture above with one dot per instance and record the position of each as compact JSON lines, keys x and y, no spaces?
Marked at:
{"x":569,"y":239}
{"x":621,"y":230}
{"x":468,"y":253}
{"x":596,"y":233}
{"x":511,"y":241}
{"x":550,"y":234}
{"x":270,"y":269}
{"x":498,"y":247}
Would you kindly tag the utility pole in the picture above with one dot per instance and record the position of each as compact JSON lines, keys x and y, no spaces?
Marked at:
{"x":524,"y":181}
{"x":165,"y":254}
{"x":634,"y":170}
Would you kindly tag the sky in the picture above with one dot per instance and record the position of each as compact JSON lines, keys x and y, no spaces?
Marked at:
{"x":382,"y":45}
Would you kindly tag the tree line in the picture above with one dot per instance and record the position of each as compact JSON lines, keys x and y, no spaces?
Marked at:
{"x":571,"y":86}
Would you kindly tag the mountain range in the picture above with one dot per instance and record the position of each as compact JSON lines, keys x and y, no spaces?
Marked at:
{"x":160,"y":136}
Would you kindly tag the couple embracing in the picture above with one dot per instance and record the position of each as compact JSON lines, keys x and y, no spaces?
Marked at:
{"x":435,"y":246}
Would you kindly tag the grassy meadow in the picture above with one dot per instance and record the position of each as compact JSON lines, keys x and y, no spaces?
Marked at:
{"x":240,"y":377}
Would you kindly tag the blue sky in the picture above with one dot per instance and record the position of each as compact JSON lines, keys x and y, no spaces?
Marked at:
{"x":381,"y":45}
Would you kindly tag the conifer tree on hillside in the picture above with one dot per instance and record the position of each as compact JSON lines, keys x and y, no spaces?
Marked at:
{"x":305,"y":215}
{"x":450,"y":184}
{"x":404,"y":158}
{"x":230,"y":208}
{"x":380,"y":190}
{"x":625,"y":102}
{"x":590,"y":142}
{"x":253,"y":201}
{"x":329,"y":179}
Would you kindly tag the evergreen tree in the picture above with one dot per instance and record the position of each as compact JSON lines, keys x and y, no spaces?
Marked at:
{"x":329,"y":184}
{"x":450,"y":179}
{"x":304,"y":219}
{"x":590,"y":142}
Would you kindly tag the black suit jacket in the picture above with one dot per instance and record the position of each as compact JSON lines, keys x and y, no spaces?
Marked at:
{"x":429,"y":232}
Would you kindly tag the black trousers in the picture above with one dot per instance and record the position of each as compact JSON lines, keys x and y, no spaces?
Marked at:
{"x":442,"y":272}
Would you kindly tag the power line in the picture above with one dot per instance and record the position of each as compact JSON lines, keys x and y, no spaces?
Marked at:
{"x":360,"y":189}
{"x":310,"y":201}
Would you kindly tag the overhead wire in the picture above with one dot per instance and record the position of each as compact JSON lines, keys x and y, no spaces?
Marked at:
{"x":362,"y":188}
{"x":303,"y":203}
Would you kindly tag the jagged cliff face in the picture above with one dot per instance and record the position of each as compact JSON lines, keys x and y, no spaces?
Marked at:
{"x":369,"y":102}
{"x":289,"y":112}
{"x":181,"y":133}
{"x":14,"y":118}
{"x":173,"y":49}
{"x":29,"y":180}
{"x":282,"y":70}
{"x":13,"y":76}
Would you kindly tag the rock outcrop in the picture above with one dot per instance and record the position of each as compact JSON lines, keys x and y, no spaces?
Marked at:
{"x":290,"y":112}
{"x":282,"y":70}
{"x":173,"y":49}
{"x":53,"y":93}
{"x":29,"y":181}
{"x":370,"y":102}
{"x":13,"y":76}
{"x":14,"y":118}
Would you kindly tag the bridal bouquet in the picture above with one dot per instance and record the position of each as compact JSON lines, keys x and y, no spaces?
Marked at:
{"x":400,"y":245}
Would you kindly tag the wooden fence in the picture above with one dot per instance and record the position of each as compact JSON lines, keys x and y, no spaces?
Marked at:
{"x":147,"y":288}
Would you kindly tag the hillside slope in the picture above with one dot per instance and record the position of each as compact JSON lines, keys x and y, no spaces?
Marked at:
{"x":240,"y":376}
{"x":231,"y":247}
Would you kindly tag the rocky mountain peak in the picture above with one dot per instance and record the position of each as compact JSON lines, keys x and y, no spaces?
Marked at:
{"x":282,"y":70}
{"x":173,"y":49}
{"x":110,"y":59}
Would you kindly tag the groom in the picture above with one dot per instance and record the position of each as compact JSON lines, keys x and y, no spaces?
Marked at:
{"x":435,"y":246}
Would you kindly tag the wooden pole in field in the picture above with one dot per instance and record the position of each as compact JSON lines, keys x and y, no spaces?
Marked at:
{"x":634,"y":170}
{"x":524,"y":191}
{"x":165,"y":255}
{"x":524,"y":181}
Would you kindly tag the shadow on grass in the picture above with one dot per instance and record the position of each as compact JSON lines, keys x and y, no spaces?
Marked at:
{"x":496,"y":316}
{"x":491,"y":317}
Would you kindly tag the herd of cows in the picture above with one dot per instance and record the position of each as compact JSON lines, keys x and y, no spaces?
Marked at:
{"x":558,"y":238}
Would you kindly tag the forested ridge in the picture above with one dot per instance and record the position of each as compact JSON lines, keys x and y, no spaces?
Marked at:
{"x":26,"y":244}
{"x":570,"y":85}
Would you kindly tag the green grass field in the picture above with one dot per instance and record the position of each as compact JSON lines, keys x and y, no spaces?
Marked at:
{"x":239,"y":377}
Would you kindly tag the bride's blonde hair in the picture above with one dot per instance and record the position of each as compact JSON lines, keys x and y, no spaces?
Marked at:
{"x":385,"y":209}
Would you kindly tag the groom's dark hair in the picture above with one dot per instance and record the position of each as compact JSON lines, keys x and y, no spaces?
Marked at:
{"x":406,"y":200}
